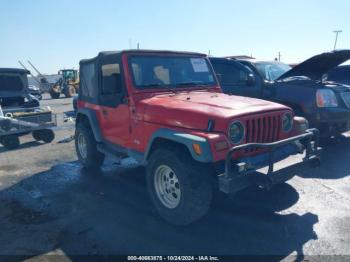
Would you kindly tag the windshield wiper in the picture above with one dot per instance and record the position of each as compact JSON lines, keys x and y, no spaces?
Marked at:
{"x":193,"y":83}
{"x":157,"y":85}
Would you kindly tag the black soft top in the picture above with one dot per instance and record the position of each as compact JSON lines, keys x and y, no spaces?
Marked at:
{"x":14,"y":70}
{"x":110,"y":54}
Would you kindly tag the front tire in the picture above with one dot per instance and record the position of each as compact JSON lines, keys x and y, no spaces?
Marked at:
{"x":180,"y":188}
{"x":55,"y":93}
{"x":86,"y":148}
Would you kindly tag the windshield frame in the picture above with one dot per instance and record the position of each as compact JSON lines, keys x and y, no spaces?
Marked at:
{"x":166,"y":87}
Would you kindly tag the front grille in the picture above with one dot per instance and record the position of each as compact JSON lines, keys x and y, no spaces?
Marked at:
{"x":263,"y":129}
{"x":346,"y":98}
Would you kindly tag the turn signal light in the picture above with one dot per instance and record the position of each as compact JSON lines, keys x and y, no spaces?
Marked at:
{"x":197,"y":149}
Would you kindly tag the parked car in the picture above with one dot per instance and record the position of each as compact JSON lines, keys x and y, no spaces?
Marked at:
{"x":166,"y":111}
{"x":340,"y":74}
{"x":326,"y":105}
{"x":35,"y":91}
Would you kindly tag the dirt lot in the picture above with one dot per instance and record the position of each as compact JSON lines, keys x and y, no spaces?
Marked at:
{"x":50,"y":205}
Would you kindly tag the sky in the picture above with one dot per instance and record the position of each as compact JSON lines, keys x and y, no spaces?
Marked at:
{"x":57,"y":34}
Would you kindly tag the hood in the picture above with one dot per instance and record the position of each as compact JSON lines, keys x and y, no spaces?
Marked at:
{"x":316,"y":66}
{"x":194,"y":110}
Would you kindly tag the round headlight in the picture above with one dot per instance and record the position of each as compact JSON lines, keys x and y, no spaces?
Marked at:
{"x":236,"y":132}
{"x":287,"y":122}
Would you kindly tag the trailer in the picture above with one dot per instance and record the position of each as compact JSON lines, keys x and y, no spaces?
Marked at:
{"x":16,"y":122}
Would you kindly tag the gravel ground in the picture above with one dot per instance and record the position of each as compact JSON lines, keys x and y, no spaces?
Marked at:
{"x":49,"y":205}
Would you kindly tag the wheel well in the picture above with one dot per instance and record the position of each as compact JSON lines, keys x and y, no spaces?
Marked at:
{"x":168,"y":144}
{"x":81,"y":118}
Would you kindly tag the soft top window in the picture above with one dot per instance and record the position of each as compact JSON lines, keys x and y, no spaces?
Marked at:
{"x":11,"y":83}
{"x":88,"y":80}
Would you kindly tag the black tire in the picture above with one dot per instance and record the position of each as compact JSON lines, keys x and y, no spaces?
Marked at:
{"x":69,"y":91}
{"x":93,"y":158}
{"x":10,"y":141}
{"x":54,"y":95}
{"x":195,"y":184}
{"x":55,"y":92}
{"x":46,"y":135}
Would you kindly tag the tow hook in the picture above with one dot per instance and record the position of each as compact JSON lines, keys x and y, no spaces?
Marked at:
{"x":262,"y":181}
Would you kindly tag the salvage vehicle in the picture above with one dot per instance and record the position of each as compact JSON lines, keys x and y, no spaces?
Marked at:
{"x":35,"y":91}
{"x":326,"y":105}
{"x":20,"y":112}
{"x":339,"y":74}
{"x":166,"y":111}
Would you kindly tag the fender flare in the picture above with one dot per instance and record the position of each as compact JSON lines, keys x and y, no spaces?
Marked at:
{"x":185,"y":139}
{"x":92,"y":118}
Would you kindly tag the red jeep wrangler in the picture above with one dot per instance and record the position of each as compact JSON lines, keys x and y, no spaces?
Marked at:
{"x":166,"y":110}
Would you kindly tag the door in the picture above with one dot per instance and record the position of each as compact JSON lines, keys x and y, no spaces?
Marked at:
{"x":236,"y":79}
{"x":114,"y":113}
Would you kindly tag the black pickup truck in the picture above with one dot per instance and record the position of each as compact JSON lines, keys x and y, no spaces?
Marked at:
{"x":305,"y":88}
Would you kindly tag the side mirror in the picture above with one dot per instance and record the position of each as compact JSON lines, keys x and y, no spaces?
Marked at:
{"x":250,"y":80}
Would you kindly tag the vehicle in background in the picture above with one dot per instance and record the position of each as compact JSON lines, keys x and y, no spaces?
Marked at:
{"x":166,"y":111}
{"x":68,"y":84}
{"x":20,"y":112}
{"x":326,"y":105}
{"x":340,"y":74}
{"x":35,"y":91}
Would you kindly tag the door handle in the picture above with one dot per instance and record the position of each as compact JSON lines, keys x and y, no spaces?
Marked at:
{"x":104,"y":112}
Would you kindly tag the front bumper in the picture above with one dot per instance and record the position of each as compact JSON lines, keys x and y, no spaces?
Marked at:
{"x":330,"y":121}
{"x":241,"y":174}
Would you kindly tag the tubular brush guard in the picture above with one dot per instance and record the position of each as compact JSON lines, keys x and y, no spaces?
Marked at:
{"x":239,"y":175}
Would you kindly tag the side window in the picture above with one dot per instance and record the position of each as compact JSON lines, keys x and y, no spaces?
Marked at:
{"x":88,"y":79}
{"x":231,"y":75}
{"x":111,"y":79}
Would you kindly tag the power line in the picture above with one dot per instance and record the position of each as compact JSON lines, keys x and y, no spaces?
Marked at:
{"x":337,"y":32}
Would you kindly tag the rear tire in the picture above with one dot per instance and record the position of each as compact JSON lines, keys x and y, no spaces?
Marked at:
{"x":181,"y":189}
{"x":70,"y":91}
{"x":86,"y":148}
{"x":10,"y":141}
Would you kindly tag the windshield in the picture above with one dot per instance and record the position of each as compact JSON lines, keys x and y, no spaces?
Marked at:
{"x":272,"y":70}
{"x":171,"y":72}
{"x":68,"y":74}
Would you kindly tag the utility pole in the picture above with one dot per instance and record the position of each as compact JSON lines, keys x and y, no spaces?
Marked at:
{"x":337,"y":32}
{"x":279,"y":56}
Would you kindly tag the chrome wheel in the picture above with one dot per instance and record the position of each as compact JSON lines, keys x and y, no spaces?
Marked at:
{"x":82,"y":146}
{"x":167,"y":186}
